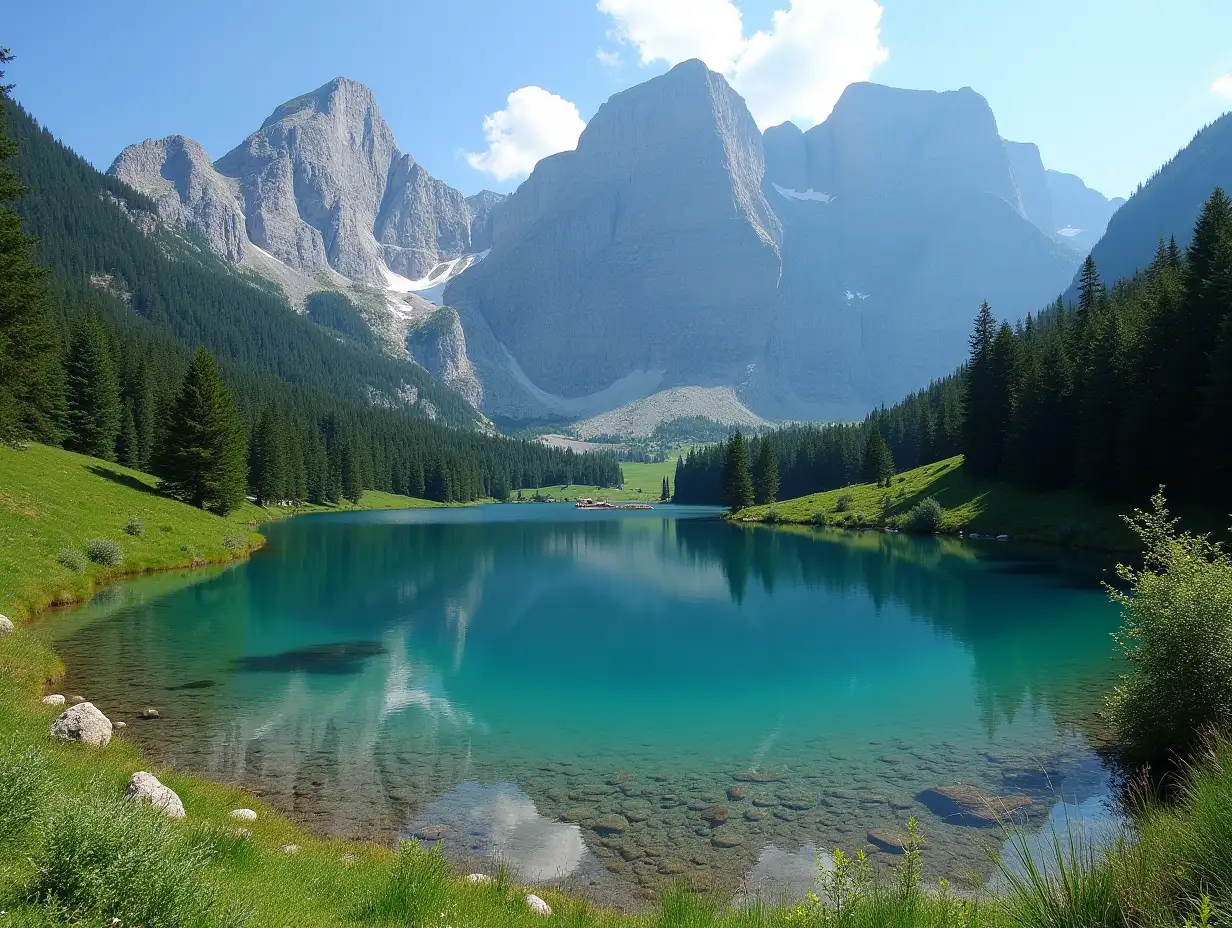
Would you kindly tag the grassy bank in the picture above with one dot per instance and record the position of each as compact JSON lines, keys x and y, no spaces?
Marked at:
{"x":642,"y":482}
{"x":969,"y":506}
{"x":53,"y":502}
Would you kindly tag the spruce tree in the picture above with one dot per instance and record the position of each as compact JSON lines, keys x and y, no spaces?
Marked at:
{"x":980,"y":441}
{"x":1090,"y":290}
{"x":352,"y":473}
{"x":878,"y":463}
{"x":203,"y":458}
{"x":737,"y":481}
{"x":31,"y":375}
{"x":667,"y":491}
{"x":766,"y":473}
{"x":267,"y":464}
{"x":128,"y":450}
{"x":95,"y":413}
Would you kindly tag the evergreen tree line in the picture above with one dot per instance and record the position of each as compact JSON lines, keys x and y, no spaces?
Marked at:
{"x":1125,"y":390}
{"x":80,"y":367}
{"x":923,"y":428}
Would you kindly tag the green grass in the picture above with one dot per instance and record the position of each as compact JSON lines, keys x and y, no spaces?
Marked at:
{"x":970,"y":506}
{"x":642,"y":482}
{"x":51,"y":500}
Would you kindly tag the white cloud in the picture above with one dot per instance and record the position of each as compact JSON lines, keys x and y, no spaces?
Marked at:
{"x":676,"y":30}
{"x":533,"y":125}
{"x":796,"y":69}
{"x":1223,"y":86}
{"x":608,"y":59}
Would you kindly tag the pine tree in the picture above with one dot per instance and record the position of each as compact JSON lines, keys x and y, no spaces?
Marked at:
{"x":980,"y":440}
{"x":352,"y":473}
{"x":1090,"y":291}
{"x":766,"y":473}
{"x":267,"y":462}
{"x":128,"y":450}
{"x":737,"y":481}
{"x":31,"y":375}
{"x":203,"y":458}
{"x":878,"y":464}
{"x":667,"y":490}
{"x":94,"y":410}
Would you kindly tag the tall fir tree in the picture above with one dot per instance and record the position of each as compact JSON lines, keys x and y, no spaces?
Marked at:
{"x":203,"y":458}
{"x":1090,"y":291}
{"x":31,"y":375}
{"x":667,"y":490}
{"x":766,"y":473}
{"x":878,"y":463}
{"x":980,"y":438}
{"x":267,"y":460}
{"x":128,"y":450}
{"x":737,"y":480}
{"x":95,"y":412}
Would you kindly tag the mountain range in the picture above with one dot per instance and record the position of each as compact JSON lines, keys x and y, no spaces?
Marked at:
{"x":816,"y":274}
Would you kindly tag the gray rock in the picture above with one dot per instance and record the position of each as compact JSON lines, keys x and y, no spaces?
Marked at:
{"x":84,"y":723}
{"x":537,"y":906}
{"x":53,"y":699}
{"x":243,"y":815}
{"x":892,"y":842}
{"x":146,"y":789}
{"x":291,"y":849}
{"x":479,"y":879}
{"x":6,"y":625}
{"x":149,"y":712}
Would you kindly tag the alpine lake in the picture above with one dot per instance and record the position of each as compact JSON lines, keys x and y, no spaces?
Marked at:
{"x":621,"y":701}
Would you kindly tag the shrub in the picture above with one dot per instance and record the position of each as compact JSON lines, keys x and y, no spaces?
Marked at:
{"x":234,"y":543}
{"x":817,"y":518}
{"x":105,"y":859}
{"x":925,"y":517}
{"x":844,"y":502}
{"x":72,"y":559}
{"x":1176,"y":631}
{"x":25,"y":784}
{"x":134,"y":527}
{"x":106,"y":552}
{"x":772,"y":515}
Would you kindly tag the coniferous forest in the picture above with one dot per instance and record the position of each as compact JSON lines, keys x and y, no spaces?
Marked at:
{"x":123,"y":342}
{"x":1124,"y":391}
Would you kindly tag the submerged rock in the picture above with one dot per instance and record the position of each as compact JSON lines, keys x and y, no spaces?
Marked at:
{"x":145,"y":788}
{"x":149,"y":712}
{"x":611,"y":824}
{"x":760,"y":776}
{"x":966,"y":805}
{"x":735,"y":793}
{"x":84,"y":723}
{"x":432,"y":832}
{"x":892,"y":842}
{"x":726,"y":839}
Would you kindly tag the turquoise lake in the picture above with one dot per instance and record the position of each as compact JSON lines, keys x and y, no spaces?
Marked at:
{"x":575,"y":693}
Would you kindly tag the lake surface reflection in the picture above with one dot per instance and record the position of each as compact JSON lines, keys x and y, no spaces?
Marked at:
{"x":619,"y":700}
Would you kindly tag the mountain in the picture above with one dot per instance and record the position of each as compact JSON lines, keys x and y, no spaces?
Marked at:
{"x":814,"y":274}
{"x":820,"y":273}
{"x":1167,"y":204}
{"x":1080,"y":214}
{"x":320,"y":187}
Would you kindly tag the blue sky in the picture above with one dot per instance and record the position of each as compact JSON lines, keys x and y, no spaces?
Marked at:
{"x":1109,"y":89}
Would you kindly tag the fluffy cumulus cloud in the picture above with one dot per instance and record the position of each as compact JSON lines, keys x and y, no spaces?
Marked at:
{"x":1223,"y":86}
{"x":795,"y":69}
{"x":533,"y":125}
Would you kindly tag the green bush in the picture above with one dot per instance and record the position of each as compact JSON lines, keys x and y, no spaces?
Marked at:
{"x":234,"y":543}
{"x":925,"y":517}
{"x":105,"y":859}
{"x":1176,"y":631}
{"x":25,"y":784}
{"x":106,"y":552}
{"x":772,"y":515}
{"x":844,"y":502}
{"x":134,"y":527}
{"x":817,"y":518}
{"x":72,"y":559}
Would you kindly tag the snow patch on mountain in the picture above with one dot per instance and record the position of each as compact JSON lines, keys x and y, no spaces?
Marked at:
{"x":1069,"y":231}
{"x":432,"y":287}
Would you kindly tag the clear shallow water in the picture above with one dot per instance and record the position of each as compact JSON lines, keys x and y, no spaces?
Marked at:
{"x":505,"y":679}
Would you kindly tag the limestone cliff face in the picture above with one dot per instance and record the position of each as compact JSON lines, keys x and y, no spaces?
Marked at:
{"x":651,"y":247}
{"x":321,"y":185}
{"x":176,"y":173}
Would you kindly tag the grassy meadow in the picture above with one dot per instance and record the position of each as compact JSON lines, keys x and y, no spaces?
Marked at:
{"x":1065,"y":518}
{"x":53,"y":502}
{"x":642,"y":482}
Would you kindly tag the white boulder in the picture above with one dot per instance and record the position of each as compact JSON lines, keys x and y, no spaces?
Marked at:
{"x":84,"y":723}
{"x":6,"y":625}
{"x":243,"y":815}
{"x":144,"y":787}
{"x":55,"y":699}
{"x":291,"y":849}
{"x":479,"y":879}
{"x":537,"y":906}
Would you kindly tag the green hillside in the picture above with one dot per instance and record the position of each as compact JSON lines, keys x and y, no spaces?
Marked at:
{"x":642,"y":482}
{"x":51,"y":500}
{"x":970,"y":506}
